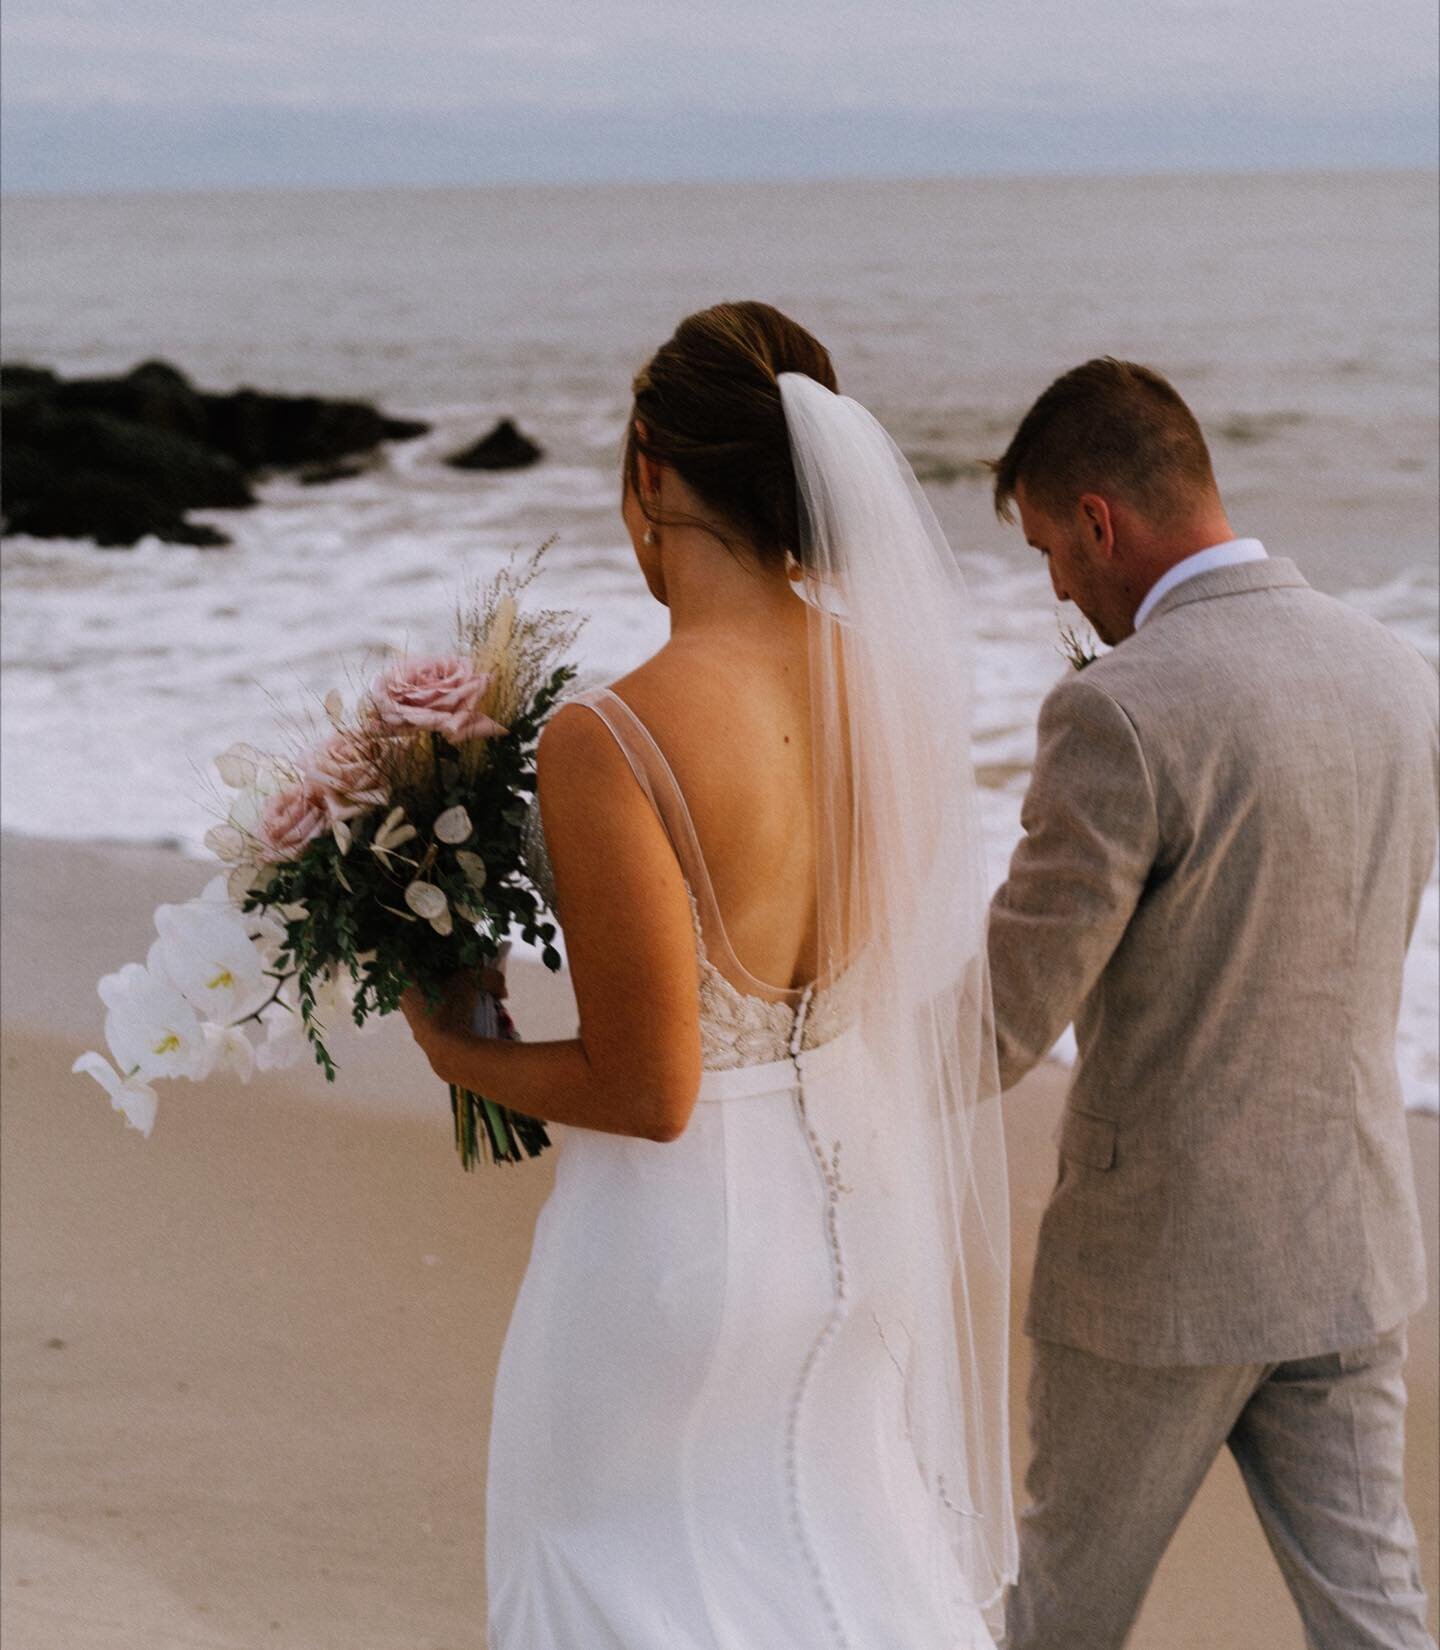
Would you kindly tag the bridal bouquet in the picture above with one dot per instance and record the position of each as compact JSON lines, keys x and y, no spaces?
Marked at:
{"x":384,"y":854}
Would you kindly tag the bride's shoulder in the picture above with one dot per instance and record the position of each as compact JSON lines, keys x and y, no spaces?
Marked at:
{"x":689,"y":693}
{"x":574,"y":741}
{"x":586,"y":734}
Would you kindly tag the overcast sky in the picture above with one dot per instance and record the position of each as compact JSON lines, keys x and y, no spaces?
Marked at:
{"x":176,"y":93}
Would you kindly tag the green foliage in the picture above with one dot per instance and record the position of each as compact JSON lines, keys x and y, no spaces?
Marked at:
{"x":347,"y":910}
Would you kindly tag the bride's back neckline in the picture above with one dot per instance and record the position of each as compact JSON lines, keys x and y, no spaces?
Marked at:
{"x":657,"y":778}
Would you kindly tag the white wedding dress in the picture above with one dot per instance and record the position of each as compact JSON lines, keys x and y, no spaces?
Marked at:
{"x":700,"y":1436}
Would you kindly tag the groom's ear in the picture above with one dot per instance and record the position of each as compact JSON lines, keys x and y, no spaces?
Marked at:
{"x":1097,"y":524}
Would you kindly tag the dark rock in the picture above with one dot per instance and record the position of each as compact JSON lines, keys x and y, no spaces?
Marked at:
{"x":341,"y":469}
{"x":76,"y":473}
{"x":21,"y":379}
{"x":505,"y":448}
{"x":282,"y":432}
{"x":402,"y":429}
{"x":111,"y":509}
{"x":153,"y":394}
{"x":117,"y":459}
{"x":179,"y":472}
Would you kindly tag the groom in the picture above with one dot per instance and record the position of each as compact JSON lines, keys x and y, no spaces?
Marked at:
{"x":1230,"y":823}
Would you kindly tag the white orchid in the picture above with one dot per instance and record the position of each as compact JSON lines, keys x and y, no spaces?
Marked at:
{"x":207,"y":950}
{"x":132,"y":1096}
{"x":284,"y":1037}
{"x":334,"y":999}
{"x":247,"y":813}
{"x":267,"y":935}
{"x":229,"y":1050}
{"x":150,"y":1027}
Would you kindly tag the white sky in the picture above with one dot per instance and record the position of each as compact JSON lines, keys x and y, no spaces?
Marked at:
{"x":1304,"y":61}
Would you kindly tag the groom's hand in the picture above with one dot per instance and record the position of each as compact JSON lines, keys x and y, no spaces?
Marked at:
{"x":1091,"y":838}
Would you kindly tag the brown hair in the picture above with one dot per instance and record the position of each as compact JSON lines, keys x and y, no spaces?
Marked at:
{"x":707,"y":404}
{"x":1107,"y":426}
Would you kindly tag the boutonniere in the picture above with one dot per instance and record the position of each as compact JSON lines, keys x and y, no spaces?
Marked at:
{"x":1078,"y":647}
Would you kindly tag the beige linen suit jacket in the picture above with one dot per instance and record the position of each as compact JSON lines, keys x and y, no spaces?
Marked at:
{"x":1230,"y":824}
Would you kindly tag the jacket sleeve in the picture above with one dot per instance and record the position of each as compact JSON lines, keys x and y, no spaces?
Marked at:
{"x":1090,"y":840}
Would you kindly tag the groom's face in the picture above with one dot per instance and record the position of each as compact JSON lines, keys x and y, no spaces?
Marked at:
{"x":1077,"y":571}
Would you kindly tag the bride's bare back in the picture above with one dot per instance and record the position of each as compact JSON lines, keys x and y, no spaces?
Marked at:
{"x":711,"y":506}
{"x":732,"y":716}
{"x":726,"y":702}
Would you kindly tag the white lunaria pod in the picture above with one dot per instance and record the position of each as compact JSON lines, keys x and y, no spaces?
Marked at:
{"x":454,"y":826}
{"x":426,"y":900}
{"x":238,"y":766}
{"x":226,"y":843}
{"x":472,"y":867}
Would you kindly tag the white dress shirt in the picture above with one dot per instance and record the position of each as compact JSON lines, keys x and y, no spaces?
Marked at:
{"x":1233,"y":553}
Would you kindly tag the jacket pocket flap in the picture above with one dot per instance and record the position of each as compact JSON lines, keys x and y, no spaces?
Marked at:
{"x":1087,"y":1139}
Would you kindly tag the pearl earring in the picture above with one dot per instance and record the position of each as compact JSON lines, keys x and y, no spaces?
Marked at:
{"x":649,"y":540}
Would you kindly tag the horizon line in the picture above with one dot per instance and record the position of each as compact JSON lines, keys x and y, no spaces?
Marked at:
{"x":800,"y":180}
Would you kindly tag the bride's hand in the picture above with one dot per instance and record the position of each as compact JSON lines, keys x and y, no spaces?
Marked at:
{"x":454,"y":1015}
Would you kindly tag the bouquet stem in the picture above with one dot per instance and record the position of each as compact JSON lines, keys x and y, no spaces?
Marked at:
{"x":483,"y":1128}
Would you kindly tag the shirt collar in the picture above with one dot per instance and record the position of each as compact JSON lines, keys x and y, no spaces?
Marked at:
{"x":1233,"y":553}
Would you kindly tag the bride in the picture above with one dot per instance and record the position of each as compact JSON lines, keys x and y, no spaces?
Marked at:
{"x":753,"y":1392}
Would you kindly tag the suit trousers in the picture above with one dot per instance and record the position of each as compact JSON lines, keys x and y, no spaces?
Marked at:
{"x":1119,"y":1451}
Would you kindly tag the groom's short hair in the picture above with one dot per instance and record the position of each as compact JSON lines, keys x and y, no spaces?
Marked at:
{"x":1108,"y":427}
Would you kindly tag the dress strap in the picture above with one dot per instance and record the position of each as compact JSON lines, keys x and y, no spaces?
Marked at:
{"x":657,"y":780}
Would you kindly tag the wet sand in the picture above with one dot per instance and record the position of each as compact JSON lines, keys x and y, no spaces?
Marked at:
{"x":247,"y":1363}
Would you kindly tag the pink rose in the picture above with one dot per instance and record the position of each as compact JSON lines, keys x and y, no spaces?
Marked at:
{"x":344,"y":771}
{"x":291,"y":820}
{"x":441,"y":694}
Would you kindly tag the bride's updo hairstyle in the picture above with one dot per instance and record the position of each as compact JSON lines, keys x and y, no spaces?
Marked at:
{"x":707,"y":405}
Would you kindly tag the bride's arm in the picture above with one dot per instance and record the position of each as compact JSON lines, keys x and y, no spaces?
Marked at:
{"x":635,"y":1067}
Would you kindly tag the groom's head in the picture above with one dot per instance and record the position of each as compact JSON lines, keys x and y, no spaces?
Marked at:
{"x":1112,"y":480}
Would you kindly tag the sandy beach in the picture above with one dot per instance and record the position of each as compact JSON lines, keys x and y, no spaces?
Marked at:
{"x":247,"y":1363}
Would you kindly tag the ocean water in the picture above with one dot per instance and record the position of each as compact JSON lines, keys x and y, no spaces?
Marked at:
{"x":1296,"y":313}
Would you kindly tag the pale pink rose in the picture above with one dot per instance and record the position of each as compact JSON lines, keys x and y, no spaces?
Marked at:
{"x":343,"y":770}
{"x":291,"y":820}
{"x":442,"y":695}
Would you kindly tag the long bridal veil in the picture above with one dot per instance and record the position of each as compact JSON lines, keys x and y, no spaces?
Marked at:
{"x":903,"y":898}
